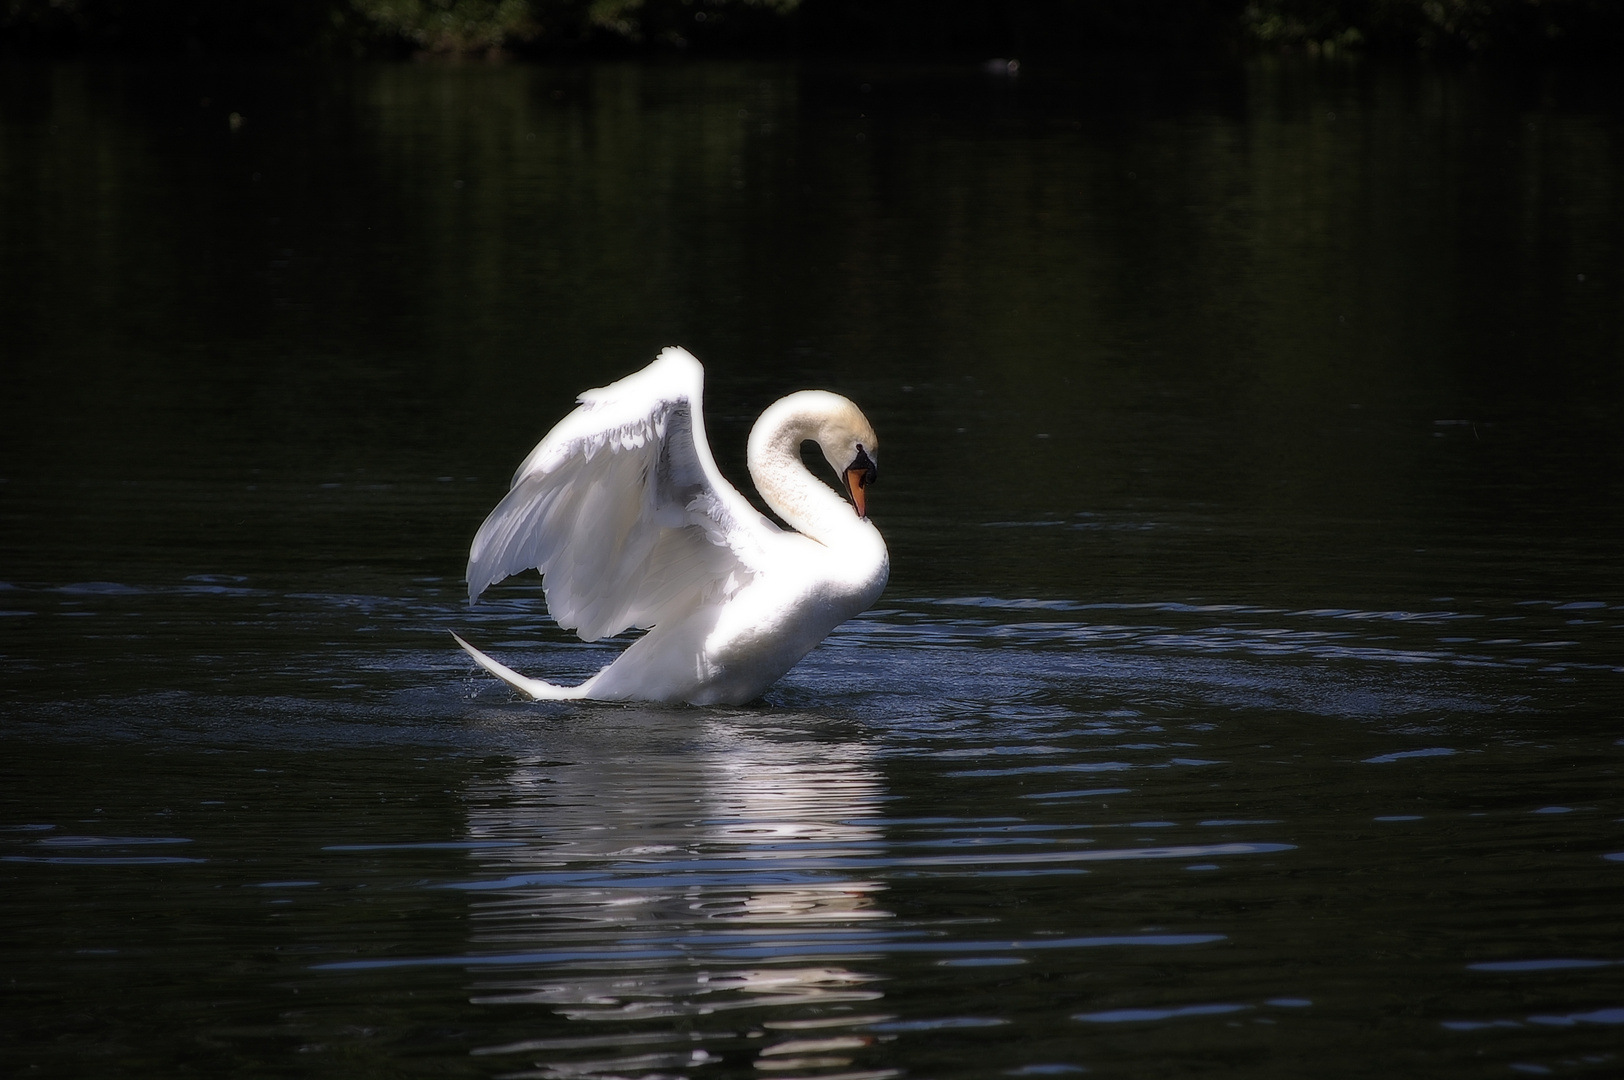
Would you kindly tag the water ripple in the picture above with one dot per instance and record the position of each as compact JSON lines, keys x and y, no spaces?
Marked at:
{"x":791,"y":949}
{"x":723,"y":871}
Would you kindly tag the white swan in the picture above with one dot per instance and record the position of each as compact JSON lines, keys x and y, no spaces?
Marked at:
{"x":623,"y":511}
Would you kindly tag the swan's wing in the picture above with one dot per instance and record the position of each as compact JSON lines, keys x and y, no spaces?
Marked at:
{"x":623,"y":511}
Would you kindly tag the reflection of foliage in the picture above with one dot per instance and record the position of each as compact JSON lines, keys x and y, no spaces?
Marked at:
{"x":466,"y":26}
{"x":1430,"y":25}
{"x":454,"y":26}
{"x":958,"y":27}
{"x":1282,"y":22}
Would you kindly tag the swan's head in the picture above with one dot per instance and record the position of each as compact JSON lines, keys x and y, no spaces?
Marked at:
{"x":839,"y":428}
{"x":849,"y":445}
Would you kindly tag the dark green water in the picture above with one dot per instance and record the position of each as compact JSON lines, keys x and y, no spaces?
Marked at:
{"x":1248,"y":698}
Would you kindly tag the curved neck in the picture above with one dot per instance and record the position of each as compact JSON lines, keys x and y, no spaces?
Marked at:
{"x":809,"y":506}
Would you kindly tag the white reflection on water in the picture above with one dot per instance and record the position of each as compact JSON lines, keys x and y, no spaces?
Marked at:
{"x":650,"y":851}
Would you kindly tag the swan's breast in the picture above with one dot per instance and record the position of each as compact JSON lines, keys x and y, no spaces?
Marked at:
{"x":768,"y":626}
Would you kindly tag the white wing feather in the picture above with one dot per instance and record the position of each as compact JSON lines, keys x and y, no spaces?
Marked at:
{"x":622,"y":509}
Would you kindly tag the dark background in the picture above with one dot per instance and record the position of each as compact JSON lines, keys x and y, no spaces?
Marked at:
{"x":1562,"y":29}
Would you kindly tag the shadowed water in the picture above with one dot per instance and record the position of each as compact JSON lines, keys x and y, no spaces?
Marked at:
{"x":1246,"y":700}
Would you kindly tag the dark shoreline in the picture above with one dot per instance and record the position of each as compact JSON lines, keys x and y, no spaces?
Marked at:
{"x":1546,"y":31}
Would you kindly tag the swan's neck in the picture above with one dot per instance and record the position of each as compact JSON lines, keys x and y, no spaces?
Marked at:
{"x":809,"y":506}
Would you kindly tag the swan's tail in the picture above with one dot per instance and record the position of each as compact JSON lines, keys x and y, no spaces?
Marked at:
{"x":536,"y":688}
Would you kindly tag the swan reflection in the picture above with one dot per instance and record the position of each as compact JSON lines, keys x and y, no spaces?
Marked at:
{"x":658,"y":868}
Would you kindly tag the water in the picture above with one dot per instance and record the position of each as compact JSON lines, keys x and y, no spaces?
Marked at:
{"x":1246,"y":700}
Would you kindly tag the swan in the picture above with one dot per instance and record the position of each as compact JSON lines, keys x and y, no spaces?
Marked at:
{"x":622,"y":509}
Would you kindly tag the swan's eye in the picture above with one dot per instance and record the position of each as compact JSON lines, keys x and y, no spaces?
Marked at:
{"x":863,"y":465}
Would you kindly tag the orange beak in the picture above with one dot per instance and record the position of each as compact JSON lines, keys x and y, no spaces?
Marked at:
{"x":859,"y":474}
{"x":856,"y":481}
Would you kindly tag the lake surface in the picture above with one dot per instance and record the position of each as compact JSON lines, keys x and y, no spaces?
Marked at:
{"x":1247,"y":700}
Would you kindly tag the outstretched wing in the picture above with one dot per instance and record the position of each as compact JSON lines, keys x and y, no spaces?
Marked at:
{"x":623,"y":511}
